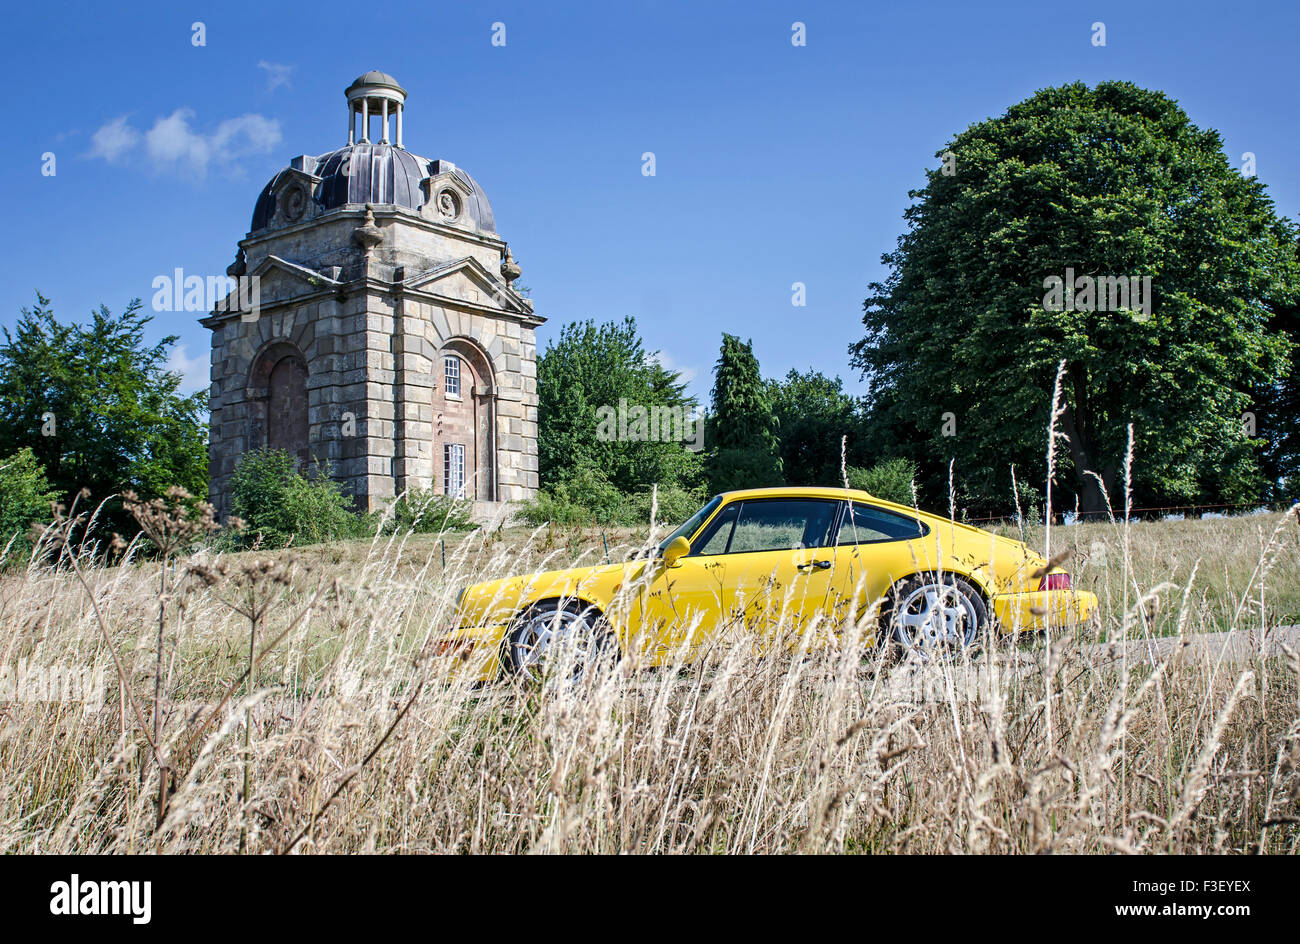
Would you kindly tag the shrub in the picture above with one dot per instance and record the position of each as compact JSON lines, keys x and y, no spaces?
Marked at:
{"x":587,"y":498}
{"x":25,"y":496}
{"x":426,"y":512}
{"x":890,"y":480}
{"x":282,"y":505}
{"x":675,"y":505}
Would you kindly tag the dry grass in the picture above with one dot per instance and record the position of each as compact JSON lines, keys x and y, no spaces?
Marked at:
{"x":359,"y":740}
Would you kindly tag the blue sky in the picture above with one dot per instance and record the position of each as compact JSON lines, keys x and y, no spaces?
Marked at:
{"x":775,"y":164}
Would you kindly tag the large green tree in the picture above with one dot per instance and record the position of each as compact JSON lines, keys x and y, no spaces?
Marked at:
{"x":1278,"y":412}
{"x":813,"y":415}
{"x":1112,"y":181}
{"x":98,"y":407}
{"x":743,"y":427}
{"x":592,"y":384}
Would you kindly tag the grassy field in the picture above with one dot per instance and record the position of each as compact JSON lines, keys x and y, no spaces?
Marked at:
{"x":353,"y":737}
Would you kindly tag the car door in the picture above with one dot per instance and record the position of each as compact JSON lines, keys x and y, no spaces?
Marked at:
{"x":875,"y":547}
{"x":680,"y":607}
{"x":779,"y":563}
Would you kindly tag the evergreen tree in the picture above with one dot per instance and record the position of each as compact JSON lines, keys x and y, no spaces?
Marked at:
{"x":742,"y":429}
{"x":98,"y":407}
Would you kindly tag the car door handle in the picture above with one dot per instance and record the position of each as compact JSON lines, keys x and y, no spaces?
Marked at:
{"x":819,"y":564}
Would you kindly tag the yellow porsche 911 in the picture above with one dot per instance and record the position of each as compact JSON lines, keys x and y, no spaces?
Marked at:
{"x":771,"y":559}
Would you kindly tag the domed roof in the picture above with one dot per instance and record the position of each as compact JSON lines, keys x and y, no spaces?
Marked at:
{"x":376,"y":173}
{"x":375,"y":77}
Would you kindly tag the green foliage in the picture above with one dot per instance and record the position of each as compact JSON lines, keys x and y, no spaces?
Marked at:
{"x":427,"y":512}
{"x":581,"y":379}
{"x":25,"y":497}
{"x":281,"y":504}
{"x":731,"y":469}
{"x":813,"y":414}
{"x":890,"y":480}
{"x":742,"y":429}
{"x":673,"y":505}
{"x":1109,"y":181}
{"x":1278,"y":414}
{"x":588,"y":498}
{"x":115,"y":418}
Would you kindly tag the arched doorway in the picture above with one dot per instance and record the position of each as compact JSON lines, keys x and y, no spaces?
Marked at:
{"x":281,"y":371}
{"x":464,"y":454}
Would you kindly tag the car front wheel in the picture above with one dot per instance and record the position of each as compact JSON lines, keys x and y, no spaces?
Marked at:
{"x":571,"y":636}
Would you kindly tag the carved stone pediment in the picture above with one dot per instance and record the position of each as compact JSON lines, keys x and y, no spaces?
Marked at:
{"x":467,"y":280}
{"x":294,"y":188}
{"x":445,"y":199}
{"x":273,"y":281}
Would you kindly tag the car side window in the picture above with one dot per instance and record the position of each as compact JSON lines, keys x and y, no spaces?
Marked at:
{"x":717,"y":534}
{"x":871,"y":525}
{"x":782,"y":524}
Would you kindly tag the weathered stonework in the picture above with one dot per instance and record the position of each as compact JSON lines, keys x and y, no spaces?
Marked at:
{"x":374,"y":267}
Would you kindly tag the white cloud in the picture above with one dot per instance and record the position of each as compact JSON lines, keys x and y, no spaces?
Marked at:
{"x":194,"y":371}
{"x":276,"y":74}
{"x":247,"y":134}
{"x":173,"y":143}
{"x":686,"y":372}
{"x":113,"y":139}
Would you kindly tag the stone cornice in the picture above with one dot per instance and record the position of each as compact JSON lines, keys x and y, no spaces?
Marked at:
{"x":382,"y":211}
{"x":373,"y":286}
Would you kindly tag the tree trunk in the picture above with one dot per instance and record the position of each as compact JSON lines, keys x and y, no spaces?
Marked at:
{"x":1076,"y":424}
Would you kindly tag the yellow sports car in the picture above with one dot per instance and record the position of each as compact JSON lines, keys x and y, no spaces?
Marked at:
{"x":801,"y":559}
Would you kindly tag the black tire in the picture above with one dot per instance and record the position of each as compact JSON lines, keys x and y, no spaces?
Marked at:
{"x":933,"y":616}
{"x":525,"y":654}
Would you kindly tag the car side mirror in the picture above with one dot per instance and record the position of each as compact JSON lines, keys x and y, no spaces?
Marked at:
{"x":677,"y":549}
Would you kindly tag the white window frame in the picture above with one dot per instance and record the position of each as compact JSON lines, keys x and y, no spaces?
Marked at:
{"x":453,"y":469}
{"x":452,"y":372}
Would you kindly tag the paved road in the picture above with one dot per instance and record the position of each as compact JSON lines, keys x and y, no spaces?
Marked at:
{"x":1238,"y":646}
{"x":940,"y":682}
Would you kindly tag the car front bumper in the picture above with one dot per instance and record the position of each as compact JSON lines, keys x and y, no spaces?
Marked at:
{"x":472,"y":651}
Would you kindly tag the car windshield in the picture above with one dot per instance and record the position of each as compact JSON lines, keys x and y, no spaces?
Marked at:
{"x":692,"y":524}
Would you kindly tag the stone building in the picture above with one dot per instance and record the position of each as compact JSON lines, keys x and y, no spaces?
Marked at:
{"x":375,"y":330}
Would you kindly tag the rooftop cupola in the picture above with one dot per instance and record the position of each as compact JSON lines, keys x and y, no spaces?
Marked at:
{"x":374,"y":95}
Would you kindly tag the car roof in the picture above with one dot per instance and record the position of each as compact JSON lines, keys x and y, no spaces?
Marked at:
{"x":826,"y":491}
{"x":801,"y":491}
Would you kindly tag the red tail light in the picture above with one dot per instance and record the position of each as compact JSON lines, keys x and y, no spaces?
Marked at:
{"x":1055,"y":582}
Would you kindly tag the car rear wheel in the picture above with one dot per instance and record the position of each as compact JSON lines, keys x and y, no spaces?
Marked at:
{"x":572,"y":637}
{"x":931,"y":616}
